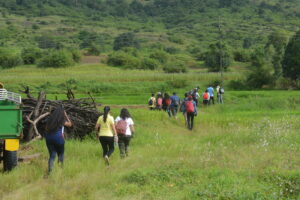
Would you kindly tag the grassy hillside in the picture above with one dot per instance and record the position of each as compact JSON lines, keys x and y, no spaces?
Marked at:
{"x":245,"y":149}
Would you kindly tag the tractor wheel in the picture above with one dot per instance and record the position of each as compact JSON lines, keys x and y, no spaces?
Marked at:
{"x":10,"y":160}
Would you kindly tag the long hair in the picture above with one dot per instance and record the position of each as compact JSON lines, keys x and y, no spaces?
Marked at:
{"x":106,"y":111}
{"x":56,"y":120}
{"x":124,"y":114}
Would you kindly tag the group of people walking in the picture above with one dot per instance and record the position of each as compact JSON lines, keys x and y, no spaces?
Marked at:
{"x":109,"y":132}
{"x":188,"y":105}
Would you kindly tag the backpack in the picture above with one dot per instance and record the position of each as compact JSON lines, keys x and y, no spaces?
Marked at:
{"x":121,"y":127}
{"x":150,"y":102}
{"x":189,"y":107}
{"x":221,"y":90}
{"x":205,"y":96}
{"x":159,"y":101}
{"x":168,"y":101}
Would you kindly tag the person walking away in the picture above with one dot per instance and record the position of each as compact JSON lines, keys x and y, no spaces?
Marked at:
{"x":125,"y":131}
{"x":220,"y":95}
{"x":167,"y":103}
{"x":211,"y":95}
{"x":107,"y":134}
{"x":206,"y":98}
{"x":55,"y":139}
{"x":159,"y":102}
{"x":191,"y":112}
{"x":218,"y":90}
{"x":175,"y":102}
{"x":182,"y":107}
{"x":152,"y":102}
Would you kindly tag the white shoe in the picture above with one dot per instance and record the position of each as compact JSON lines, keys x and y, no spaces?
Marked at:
{"x":106,"y":160}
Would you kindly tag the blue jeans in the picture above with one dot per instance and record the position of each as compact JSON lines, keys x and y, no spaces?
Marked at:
{"x":53,"y":149}
{"x":220,"y":98}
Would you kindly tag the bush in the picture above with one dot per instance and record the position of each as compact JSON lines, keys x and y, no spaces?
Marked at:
{"x":121,"y":59}
{"x":149,"y":63}
{"x":93,"y":49}
{"x":237,"y":85}
{"x":160,"y":56}
{"x":175,"y":68}
{"x":31,"y":54}
{"x":9,"y":59}
{"x":56,"y":59}
{"x":76,"y":55}
{"x":126,"y":40}
{"x":241,"y":56}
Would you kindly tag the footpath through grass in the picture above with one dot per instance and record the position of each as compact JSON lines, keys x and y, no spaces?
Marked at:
{"x":246,"y":149}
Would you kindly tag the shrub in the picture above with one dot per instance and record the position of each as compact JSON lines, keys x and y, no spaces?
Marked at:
{"x":237,"y":85}
{"x":126,"y":40}
{"x":31,"y":54}
{"x":56,"y":59}
{"x":76,"y":55}
{"x":175,"y":68}
{"x":149,"y":63}
{"x":121,"y":59}
{"x":93,"y":49}
{"x":241,"y":56}
{"x":9,"y":59}
{"x":160,"y":56}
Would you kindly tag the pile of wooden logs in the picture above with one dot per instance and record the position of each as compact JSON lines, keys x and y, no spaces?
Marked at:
{"x":82,"y":112}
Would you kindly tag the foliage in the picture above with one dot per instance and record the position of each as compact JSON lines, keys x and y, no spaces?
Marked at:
{"x":9,"y":58}
{"x":241,"y":55}
{"x":93,"y":49}
{"x":31,"y":54}
{"x":149,"y":63}
{"x":175,"y":67}
{"x":76,"y":55}
{"x":126,"y":40}
{"x":121,"y":59}
{"x":160,"y":55}
{"x":291,"y":59}
{"x":48,"y":42}
{"x":56,"y":59}
{"x":217,"y":55}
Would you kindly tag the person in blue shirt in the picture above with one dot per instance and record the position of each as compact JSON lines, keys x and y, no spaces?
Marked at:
{"x":191,"y":111}
{"x":175,"y":102}
{"x":211,"y":94}
{"x":55,"y":139}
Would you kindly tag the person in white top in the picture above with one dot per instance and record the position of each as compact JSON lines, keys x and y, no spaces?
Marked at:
{"x":125,"y":130}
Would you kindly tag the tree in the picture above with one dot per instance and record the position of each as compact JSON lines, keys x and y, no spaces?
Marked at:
{"x":291,"y":58}
{"x":278,"y":40}
{"x":125,"y":40}
{"x":217,"y":56}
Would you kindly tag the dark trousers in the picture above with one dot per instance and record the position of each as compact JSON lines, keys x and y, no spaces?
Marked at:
{"x":212,"y":99}
{"x":190,"y":120}
{"x":123,"y":145}
{"x":107,"y":144}
{"x":54,"y":149}
{"x":174,"y":110}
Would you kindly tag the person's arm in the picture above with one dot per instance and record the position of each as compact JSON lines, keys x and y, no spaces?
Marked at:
{"x":97,"y":129}
{"x":68,"y":122}
{"x":196,"y":113}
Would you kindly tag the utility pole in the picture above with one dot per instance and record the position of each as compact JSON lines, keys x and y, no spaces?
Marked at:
{"x":221,"y":51}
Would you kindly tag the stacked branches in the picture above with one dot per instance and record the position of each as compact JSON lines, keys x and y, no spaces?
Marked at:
{"x":82,"y":112}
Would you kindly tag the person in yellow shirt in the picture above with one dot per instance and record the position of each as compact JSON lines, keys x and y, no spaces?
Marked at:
{"x":152,"y":102}
{"x":106,"y":133}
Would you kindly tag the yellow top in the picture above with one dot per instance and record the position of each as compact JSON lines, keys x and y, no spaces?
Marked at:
{"x":105,"y":127}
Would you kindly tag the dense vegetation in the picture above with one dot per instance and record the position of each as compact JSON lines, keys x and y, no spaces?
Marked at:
{"x":174,"y":35}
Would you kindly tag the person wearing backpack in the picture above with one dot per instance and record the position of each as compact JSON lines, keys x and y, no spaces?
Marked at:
{"x":175,"y":102}
{"x":220,"y":95}
{"x":152,"y":102}
{"x":159,"y":101}
{"x":107,"y":134}
{"x":125,"y":131}
{"x":166,"y":103}
{"x":211,"y":95}
{"x":206,"y":98}
{"x":182,"y":107}
{"x":191,"y":112}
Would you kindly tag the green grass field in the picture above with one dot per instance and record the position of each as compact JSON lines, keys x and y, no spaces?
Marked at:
{"x":247,"y":148}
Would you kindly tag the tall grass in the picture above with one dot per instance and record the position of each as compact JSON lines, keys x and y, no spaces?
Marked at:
{"x":244,"y":149}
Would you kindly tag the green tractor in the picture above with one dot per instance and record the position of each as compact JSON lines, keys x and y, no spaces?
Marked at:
{"x":10,"y":127}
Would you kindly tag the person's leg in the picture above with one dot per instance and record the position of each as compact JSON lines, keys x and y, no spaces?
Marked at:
{"x":188,"y":120}
{"x":104,"y":145}
{"x":121,"y":143}
{"x":60,"y":149}
{"x":213,"y":100}
{"x":192,"y":120}
{"x":185,"y":119}
{"x":52,"y":155}
{"x":126,"y":142}
{"x":169,"y":111}
{"x":221,"y":98}
{"x":111,"y":147}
